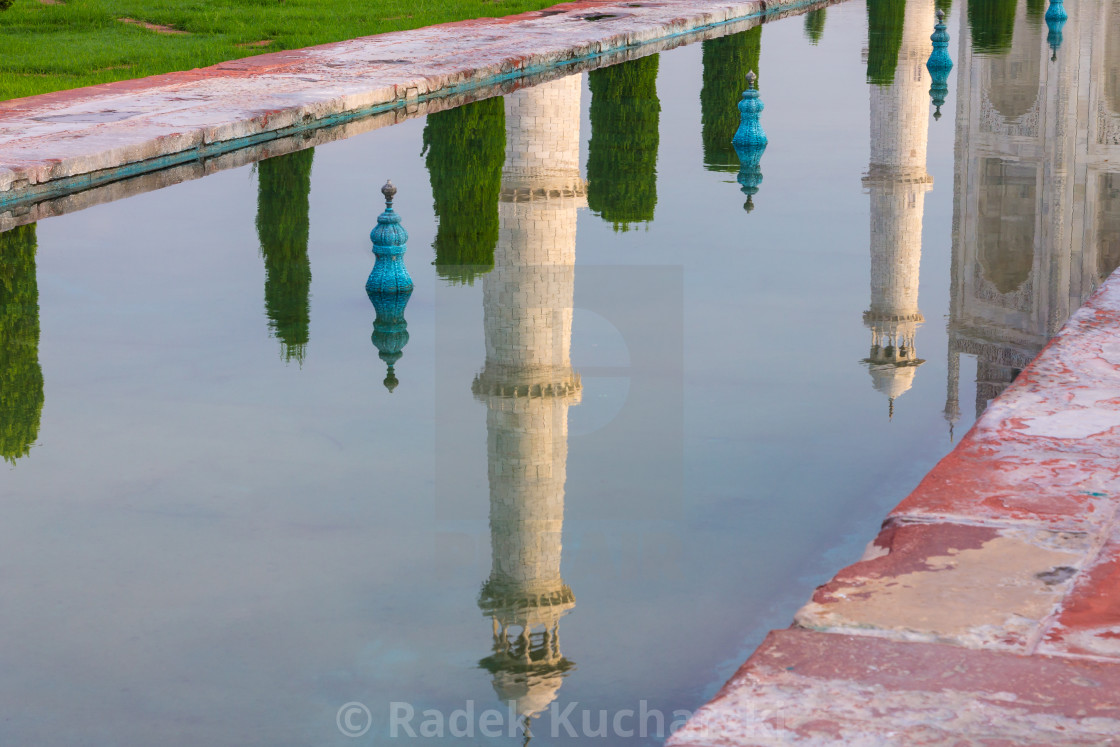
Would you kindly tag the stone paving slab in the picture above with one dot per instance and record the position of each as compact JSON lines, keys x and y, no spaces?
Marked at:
{"x":987,"y":611}
{"x":807,"y":688}
{"x":973,"y":586}
{"x":60,"y":142}
{"x":1089,"y":621}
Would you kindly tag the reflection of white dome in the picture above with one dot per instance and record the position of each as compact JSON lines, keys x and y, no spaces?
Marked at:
{"x":893,"y":381}
{"x":531,"y":692}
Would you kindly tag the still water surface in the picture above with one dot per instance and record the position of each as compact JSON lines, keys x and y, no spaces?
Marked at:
{"x":629,"y":414}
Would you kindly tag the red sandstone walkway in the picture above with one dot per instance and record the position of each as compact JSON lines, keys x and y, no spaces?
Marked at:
{"x":59,"y":142}
{"x":987,"y":611}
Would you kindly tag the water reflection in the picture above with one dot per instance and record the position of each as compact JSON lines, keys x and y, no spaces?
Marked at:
{"x":897,"y":181}
{"x":283,"y":226}
{"x":885,"y":20}
{"x":21,"y":378}
{"x":464,"y":150}
{"x":528,"y":385}
{"x":814,"y":25}
{"x":622,"y":153}
{"x":939,"y":65}
{"x":389,"y":287}
{"x":750,"y":142}
{"x":1037,"y":205}
{"x":727,"y":61}
{"x":992,"y":24}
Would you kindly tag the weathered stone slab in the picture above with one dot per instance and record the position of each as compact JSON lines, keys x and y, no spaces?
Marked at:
{"x":807,"y":688}
{"x":1046,"y":452}
{"x":973,"y":586}
{"x":1089,"y":621}
{"x":990,"y":483}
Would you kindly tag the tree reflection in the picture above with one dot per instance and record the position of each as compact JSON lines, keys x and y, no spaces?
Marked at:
{"x":464,"y":150}
{"x":21,"y":378}
{"x":726,"y":63}
{"x":622,"y":153}
{"x":283,"y":226}
{"x":814,"y":25}
{"x":885,"y":19}
{"x":992,"y":23}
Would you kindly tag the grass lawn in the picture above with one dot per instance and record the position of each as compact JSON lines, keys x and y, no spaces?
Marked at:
{"x":51,"y":45}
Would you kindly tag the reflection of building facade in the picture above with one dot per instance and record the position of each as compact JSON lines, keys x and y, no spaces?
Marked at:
{"x":897,"y":181}
{"x":1037,"y":195}
{"x":528,"y":384}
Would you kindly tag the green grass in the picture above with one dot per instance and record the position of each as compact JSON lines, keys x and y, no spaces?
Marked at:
{"x":80,"y":42}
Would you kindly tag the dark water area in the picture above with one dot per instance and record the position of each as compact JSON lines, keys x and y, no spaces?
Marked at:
{"x":621,"y":428}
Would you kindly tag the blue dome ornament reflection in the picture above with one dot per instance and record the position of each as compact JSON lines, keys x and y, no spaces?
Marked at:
{"x":390,"y":330}
{"x":1056,"y":17}
{"x":939,"y":64}
{"x":389,"y":287}
{"x":389,"y":237}
{"x":750,"y":142}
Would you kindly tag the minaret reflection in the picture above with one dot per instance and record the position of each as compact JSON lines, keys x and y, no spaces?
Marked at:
{"x":21,"y":377}
{"x":897,"y":181}
{"x":1036,"y":198}
{"x":283,"y":227}
{"x":528,"y":385}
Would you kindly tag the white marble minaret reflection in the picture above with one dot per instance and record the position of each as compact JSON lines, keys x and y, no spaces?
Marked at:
{"x":897,"y":181}
{"x":528,"y":385}
{"x":1036,"y":223}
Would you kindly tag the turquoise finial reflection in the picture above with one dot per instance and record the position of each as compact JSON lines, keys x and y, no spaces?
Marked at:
{"x":1056,"y":17}
{"x":750,"y":142}
{"x":939,"y":64}
{"x":389,"y":286}
{"x":750,"y":106}
{"x":390,"y":330}
{"x":389,"y":237}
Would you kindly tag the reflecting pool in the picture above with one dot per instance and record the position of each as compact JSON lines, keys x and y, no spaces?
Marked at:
{"x":649,"y":388}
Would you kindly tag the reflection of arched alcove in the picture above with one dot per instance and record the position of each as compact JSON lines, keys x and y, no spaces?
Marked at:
{"x":1112,"y":58}
{"x":1006,"y":226}
{"x":1013,"y":78}
{"x":1108,"y":225}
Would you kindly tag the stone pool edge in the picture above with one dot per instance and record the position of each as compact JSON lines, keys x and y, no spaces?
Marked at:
{"x":988,"y":607}
{"x":60,"y":143}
